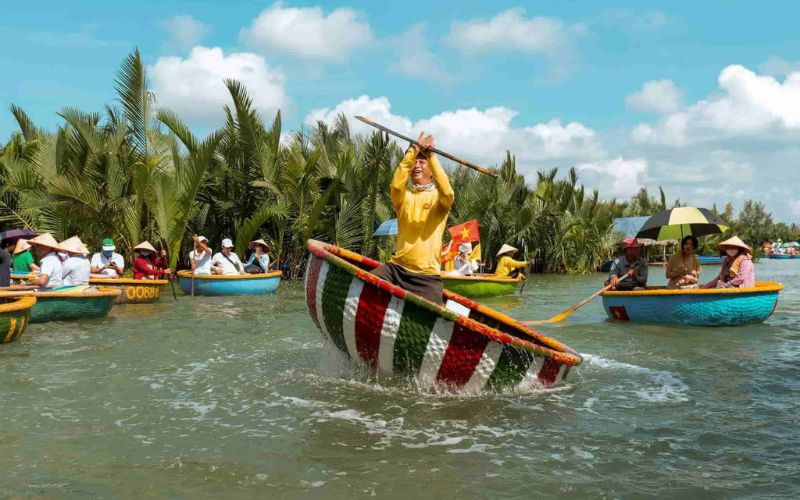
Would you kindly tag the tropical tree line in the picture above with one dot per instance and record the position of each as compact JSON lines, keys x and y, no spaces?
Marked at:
{"x":136,"y":171}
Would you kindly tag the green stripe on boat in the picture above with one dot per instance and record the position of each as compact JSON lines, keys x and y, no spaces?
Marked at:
{"x":413,"y":334}
{"x":334,"y":295}
{"x":510,"y":369}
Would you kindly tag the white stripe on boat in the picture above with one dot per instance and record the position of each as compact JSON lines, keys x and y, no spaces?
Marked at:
{"x":531,"y":378}
{"x":484,"y":368}
{"x":323,"y":274}
{"x":349,"y":320}
{"x":391,"y":324}
{"x":434,"y":352}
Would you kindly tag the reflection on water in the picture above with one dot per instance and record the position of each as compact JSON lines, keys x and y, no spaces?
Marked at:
{"x":218,"y":396}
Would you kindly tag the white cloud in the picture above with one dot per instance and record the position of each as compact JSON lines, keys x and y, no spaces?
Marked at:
{"x":511,"y":30}
{"x":185,"y":31}
{"x":415,"y":59}
{"x":794,"y":207}
{"x":308,"y":33}
{"x":657,"y":96}
{"x":194,"y":86}
{"x":636,"y":20}
{"x":618,"y":177}
{"x":747,"y":104}
{"x":482,"y":135}
{"x":778,"y":66}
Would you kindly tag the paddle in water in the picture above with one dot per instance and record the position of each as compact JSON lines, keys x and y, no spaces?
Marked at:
{"x":560,"y":316}
{"x":437,"y":151}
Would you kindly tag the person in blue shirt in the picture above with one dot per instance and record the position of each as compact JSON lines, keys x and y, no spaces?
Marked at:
{"x":258,"y":261}
{"x":628,"y":271}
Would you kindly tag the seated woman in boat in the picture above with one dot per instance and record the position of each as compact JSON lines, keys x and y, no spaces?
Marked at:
{"x":226,"y":261}
{"x":200,"y":257}
{"x":46,"y":249}
{"x":257,"y":262}
{"x":738,"y":270}
{"x":22,"y":263}
{"x":76,"y":268}
{"x":148,"y":265}
{"x":628,"y":271}
{"x":507,"y":266}
{"x":683,"y":268}
{"x":462,"y":266}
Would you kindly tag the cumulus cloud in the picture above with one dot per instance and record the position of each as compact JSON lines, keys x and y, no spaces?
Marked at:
{"x":794,"y":207}
{"x":194,"y":86}
{"x":481,"y":134}
{"x":747,"y":104}
{"x":511,"y":30}
{"x":415,"y":58}
{"x":656,"y":96}
{"x":308,"y":32}
{"x":185,"y":31}
{"x":619,"y":177}
{"x":778,"y":66}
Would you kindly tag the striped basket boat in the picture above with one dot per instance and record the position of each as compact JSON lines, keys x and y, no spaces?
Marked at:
{"x":133,"y":291}
{"x":464,"y":347}
{"x":699,"y":307}
{"x":14,"y":317}
{"x":481,"y":286}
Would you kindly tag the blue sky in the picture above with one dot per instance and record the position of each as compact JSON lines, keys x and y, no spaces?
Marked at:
{"x":700,"y":97}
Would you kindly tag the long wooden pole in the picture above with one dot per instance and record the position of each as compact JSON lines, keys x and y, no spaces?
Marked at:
{"x":560,"y":316}
{"x":437,"y":151}
{"x":172,"y":274}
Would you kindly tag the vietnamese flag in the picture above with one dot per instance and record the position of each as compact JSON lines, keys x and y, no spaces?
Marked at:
{"x":465,"y":233}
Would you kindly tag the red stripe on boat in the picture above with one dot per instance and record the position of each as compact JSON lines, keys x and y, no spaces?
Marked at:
{"x":549,"y":372}
{"x":369,"y":320}
{"x":311,"y":288}
{"x":462,"y":356}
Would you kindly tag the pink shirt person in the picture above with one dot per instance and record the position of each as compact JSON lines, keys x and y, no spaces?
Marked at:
{"x":738,"y":270}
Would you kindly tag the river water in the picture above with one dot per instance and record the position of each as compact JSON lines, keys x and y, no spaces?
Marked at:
{"x":242,"y":398}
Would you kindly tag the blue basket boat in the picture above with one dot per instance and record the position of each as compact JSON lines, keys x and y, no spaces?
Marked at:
{"x":710,"y":259}
{"x":229,"y":284}
{"x":699,"y":307}
{"x":783,"y":256}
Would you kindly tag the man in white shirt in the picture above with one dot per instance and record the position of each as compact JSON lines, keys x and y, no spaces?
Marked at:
{"x":226,"y":261}
{"x":46,"y":247}
{"x":108,"y":263}
{"x":76,"y":267}
{"x":200,"y":257}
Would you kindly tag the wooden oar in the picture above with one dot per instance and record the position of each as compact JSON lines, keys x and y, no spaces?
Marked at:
{"x":171,"y":275}
{"x":437,"y":151}
{"x":560,"y":316}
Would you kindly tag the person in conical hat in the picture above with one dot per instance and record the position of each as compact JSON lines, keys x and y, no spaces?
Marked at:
{"x":23,"y":263}
{"x":507,"y":266}
{"x":422,"y":210}
{"x":738,"y":270}
{"x":76,"y":267}
{"x":628,"y":271}
{"x":149,"y":264}
{"x":257,"y":258}
{"x":51,"y":271}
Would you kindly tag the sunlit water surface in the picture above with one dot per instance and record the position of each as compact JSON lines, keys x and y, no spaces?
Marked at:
{"x":242,"y":398}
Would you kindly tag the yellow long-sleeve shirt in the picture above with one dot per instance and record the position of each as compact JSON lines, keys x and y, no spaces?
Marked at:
{"x":421,"y":217}
{"x":507,"y":264}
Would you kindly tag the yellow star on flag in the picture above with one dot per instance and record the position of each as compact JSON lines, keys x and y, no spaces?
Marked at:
{"x":464,"y":233}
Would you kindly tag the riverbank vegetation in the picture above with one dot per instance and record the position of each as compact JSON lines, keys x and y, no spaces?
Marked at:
{"x":136,"y":172}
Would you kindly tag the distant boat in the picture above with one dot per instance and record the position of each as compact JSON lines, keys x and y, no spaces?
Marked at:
{"x":783,"y":256}
{"x":710,"y":259}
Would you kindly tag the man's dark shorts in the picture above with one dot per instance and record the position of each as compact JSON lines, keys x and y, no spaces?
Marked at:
{"x":425,"y":285}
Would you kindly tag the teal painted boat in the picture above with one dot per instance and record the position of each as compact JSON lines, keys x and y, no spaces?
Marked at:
{"x":229,"y":284}
{"x":699,"y":307}
{"x":783,"y":256}
{"x":710,"y":259}
{"x":481,"y":286}
{"x":14,"y":317}
{"x":68,"y":305}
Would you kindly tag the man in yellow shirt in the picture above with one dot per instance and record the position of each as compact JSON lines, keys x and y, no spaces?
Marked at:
{"x":506,"y":266}
{"x":421,"y":219}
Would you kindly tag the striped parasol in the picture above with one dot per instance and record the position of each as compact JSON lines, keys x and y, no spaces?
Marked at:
{"x":678,"y":222}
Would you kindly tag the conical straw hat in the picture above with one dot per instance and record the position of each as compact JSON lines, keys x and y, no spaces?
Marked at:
{"x":145,"y":245}
{"x":505,"y":249}
{"x":45,"y":240}
{"x":22,"y":245}
{"x":734,"y":242}
{"x":74,"y":245}
{"x":258,"y":242}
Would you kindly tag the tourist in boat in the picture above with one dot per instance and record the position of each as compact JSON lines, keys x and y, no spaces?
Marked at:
{"x":226,"y":261}
{"x":630,"y":265}
{"x":200,"y":257}
{"x":507,"y":266}
{"x":422,"y":214}
{"x":149,"y":264}
{"x":683,"y":268}
{"x":462,"y":265}
{"x":6,"y":247}
{"x":51,"y":269}
{"x":258,"y":260}
{"x":107,"y":263}
{"x":76,"y":268}
{"x":22,"y":262}
{"x":737,"y":270}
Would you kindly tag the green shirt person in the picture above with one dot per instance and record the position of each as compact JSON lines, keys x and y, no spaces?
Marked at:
{"x":22,"y":263}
